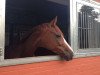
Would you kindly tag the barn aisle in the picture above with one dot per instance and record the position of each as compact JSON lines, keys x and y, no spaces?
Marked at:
{"x":79,"y":66}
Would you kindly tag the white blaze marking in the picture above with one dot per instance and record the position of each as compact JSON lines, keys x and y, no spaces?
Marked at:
{"x":67,"y":44}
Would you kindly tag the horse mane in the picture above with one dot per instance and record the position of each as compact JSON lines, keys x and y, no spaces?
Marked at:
{"x":29,"y":33}
{"x":34,"y":31}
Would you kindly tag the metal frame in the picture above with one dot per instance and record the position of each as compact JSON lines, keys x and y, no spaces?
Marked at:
{"x":2,"y":29}
{"x":74,"y":31}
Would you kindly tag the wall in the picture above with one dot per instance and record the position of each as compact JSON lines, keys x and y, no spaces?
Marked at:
{"x":97,"y":0}
{"x":80,"y":66}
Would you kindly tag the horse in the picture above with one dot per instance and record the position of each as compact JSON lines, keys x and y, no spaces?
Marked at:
{"x":47,"y":35}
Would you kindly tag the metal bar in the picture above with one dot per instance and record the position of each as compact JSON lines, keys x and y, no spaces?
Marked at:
{"x":96,"y":33}
{"x":91,"y":40}
{"x":89,"y":31}
{"x":84,"y":29}
{"x":88,"y":23}
{"x":81,"y":31}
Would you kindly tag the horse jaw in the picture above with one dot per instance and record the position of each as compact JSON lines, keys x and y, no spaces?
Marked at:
{"x":67,"y":51}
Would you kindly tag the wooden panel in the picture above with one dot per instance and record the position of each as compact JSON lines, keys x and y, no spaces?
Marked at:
{"x":80,"y":66}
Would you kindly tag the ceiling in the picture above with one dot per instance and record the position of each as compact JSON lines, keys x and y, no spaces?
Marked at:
{"x":31,"y":12}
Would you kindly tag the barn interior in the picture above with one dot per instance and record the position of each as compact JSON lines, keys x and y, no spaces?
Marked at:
{"x":22,"y":15}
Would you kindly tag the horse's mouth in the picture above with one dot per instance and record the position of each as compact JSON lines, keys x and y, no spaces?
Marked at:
{"x":67,"y":56}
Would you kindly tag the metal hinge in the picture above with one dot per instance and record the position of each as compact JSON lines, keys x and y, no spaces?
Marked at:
{"x":1,"y":52}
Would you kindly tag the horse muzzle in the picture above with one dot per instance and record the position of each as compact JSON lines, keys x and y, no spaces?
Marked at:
{"x":67,"y":55}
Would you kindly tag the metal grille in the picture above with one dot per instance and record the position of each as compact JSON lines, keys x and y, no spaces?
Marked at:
{"x":88,"y":28}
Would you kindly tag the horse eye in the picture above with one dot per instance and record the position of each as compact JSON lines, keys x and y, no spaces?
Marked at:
{"x":58,"y":36}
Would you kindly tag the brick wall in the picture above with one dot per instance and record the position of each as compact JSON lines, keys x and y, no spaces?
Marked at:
{"x":80,"y":66}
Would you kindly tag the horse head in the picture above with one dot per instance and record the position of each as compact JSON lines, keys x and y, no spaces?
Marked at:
{"x":53,"y":39}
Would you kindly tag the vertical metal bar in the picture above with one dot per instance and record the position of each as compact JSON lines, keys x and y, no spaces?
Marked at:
{"x":91,"y":40}
{"x":99,"y":34}
{"x":94,"y":23}
{"x":88,"y":20}
{"x":2,"y":29}
{"x":93,"y":32}
{"x":86,"y":29}
{"x":90,"y":32}
{"x":81,"y":30}
{"x":96,"y":33}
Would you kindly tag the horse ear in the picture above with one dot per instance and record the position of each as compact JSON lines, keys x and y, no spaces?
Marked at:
{"x":53,"y":22}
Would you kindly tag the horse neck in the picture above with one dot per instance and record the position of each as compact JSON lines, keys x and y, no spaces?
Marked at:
{"x":27,"y":46}
{"x":30,"y":45}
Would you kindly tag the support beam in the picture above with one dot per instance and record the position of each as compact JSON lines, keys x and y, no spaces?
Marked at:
{"x":62,"y":2}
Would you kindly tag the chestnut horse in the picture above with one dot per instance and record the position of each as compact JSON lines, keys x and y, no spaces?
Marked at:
{"x":47,"y":35}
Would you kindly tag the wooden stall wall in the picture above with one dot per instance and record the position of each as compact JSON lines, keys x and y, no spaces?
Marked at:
{"x":80,"y":66}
